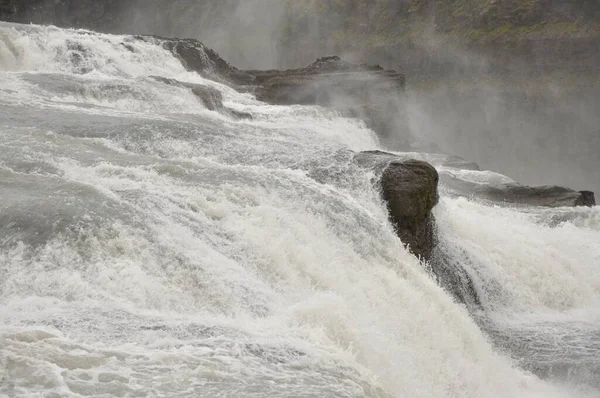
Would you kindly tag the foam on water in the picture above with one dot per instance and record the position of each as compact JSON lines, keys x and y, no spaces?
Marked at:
{"x":49,"y":49}
{"x":522,"y":263}
{"x":149,"y":247}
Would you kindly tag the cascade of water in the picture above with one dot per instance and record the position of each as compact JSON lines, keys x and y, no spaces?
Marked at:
{"x":151,"y":247}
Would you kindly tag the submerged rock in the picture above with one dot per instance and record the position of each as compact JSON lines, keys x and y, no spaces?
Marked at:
{"x":457,"y":162}
{"x":451,"y":275}
{"x":210,"y":97}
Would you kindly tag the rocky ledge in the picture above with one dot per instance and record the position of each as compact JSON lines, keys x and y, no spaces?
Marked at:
{"x":547,"y":196}
{"x":368,"y":92}
{"x":514,"y":194}
{"x":364,"y":91}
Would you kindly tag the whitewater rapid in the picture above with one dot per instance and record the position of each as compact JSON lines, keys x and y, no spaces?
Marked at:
{"x":151,"y":247}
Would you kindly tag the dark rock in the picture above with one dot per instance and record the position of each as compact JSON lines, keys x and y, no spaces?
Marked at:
{"x":241,"y":78}
{"x":128,"y":47}
{"x":198,"y":58}
{"x":357,"y":90}
{"x":409,"y":188}
{"x":586,"y":198}
{"x":240,"y":115}
{"x":549,"y":196}
{"x":192,"y":54}
{"x":410,"y":191}
{"x":212,"y":98}
{"x":516,"y":194}
{"x":452,"y":276}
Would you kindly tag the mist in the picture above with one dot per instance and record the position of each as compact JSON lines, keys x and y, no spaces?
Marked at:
{"x":532,"y":116}
{"x":245,"y":32}
{"x":526,"y":106}
{"x":539,"y":129}
{"x":539,"y":135}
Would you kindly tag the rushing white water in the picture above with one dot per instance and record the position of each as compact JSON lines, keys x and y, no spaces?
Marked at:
{"x":150,"y":247}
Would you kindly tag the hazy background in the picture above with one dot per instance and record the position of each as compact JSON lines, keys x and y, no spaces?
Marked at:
{"x":510,"y":84}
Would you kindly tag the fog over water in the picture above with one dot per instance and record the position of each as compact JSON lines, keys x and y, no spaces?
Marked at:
{"x":535,"y":117}
{"x":150,"y":246}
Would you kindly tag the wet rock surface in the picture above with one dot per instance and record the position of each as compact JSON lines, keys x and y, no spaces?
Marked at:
{"x":409,"y":188}
{"x":368,"y":92}
{"x":517,"y":194}
{"x":210,"y":97}
{"x":410,"y":191}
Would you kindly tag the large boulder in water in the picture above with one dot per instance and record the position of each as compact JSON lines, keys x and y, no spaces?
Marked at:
{"x":410,"y":190}
{"x":210,"y":97}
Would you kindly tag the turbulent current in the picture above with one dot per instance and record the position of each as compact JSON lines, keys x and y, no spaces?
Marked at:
{"x":150,"y":247}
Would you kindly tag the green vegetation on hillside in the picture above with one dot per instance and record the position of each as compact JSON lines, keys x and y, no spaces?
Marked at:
{"x":373,"y":22}
{"x":388,"y":22}
{"x":8,"y":6}
{"x":289,"y":33}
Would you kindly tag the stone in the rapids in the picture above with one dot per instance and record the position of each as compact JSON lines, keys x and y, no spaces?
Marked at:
{"x":410,"y":190}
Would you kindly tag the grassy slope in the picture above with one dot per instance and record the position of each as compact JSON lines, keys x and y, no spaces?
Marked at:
{"x":388,"y":22}
{"x":8,"y":6}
